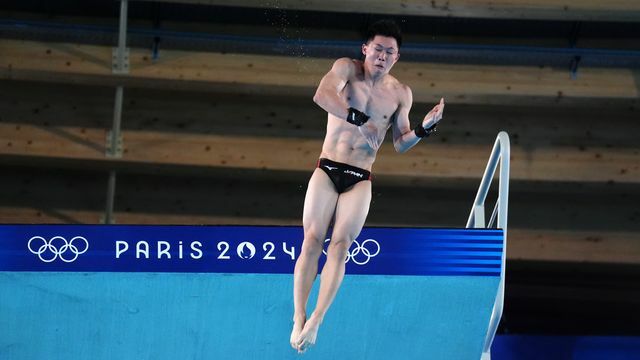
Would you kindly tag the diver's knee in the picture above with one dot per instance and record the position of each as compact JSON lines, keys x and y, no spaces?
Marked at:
{"x":339,"y":246}
{"x":312,"y":244}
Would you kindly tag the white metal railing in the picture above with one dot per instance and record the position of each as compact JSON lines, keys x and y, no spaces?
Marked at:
{"x":500,"y":154}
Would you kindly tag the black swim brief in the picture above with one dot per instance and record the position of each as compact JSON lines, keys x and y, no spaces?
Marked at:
{"x":342,"y":175}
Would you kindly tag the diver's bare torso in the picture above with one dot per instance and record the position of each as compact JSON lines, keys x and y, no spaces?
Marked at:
{"x":347,"y":143}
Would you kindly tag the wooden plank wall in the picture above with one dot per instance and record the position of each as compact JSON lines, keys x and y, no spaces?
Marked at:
{"x":589,"y":10}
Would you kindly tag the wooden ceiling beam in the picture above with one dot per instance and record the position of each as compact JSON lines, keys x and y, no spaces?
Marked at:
{"x":585,"y":10}
{"x":296,"y":76}
{"x":428,"y":160}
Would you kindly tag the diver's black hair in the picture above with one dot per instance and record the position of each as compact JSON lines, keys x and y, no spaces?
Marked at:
{"x":385,"y":27}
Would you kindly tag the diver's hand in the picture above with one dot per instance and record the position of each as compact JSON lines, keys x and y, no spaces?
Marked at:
{"x":370,"y":134}
{"x":434,"y":116}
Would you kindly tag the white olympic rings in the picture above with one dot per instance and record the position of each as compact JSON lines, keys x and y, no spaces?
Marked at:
{"x":57,"y":250}
{"x":360,"y":248}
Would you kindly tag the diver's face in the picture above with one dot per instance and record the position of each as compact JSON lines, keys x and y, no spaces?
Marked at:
{"x":381,"y":53}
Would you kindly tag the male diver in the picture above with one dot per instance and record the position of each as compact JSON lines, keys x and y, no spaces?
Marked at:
{"x":362,"y":101}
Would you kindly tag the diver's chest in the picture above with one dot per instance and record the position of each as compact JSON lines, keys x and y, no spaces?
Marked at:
{"x":378,"y":102}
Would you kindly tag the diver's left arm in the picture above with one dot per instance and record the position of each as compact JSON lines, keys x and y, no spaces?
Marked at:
{"x":404,"y":137}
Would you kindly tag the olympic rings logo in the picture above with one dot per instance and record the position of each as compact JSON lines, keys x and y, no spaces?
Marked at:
{"x":362,"y":253}
{"x":56,"y":247}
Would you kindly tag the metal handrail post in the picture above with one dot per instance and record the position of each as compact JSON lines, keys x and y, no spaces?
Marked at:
{"x":500,"y":154}
{"x":111,"y":191}
{"x":122,"y":33}
{"x":114,"y":138}
{"x":489,"y":172}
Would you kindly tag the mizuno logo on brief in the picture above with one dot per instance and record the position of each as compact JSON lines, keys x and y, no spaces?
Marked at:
{"x":330,"y":168}
{"x":351,"y":172}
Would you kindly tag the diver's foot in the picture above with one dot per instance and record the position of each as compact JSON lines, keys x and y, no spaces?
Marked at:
{"x":307,"y":337}
{"x":298,"y":325}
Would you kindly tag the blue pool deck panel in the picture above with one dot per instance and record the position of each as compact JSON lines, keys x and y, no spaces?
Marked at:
{"x":425,"y":294}
{"x":541,"y":347}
